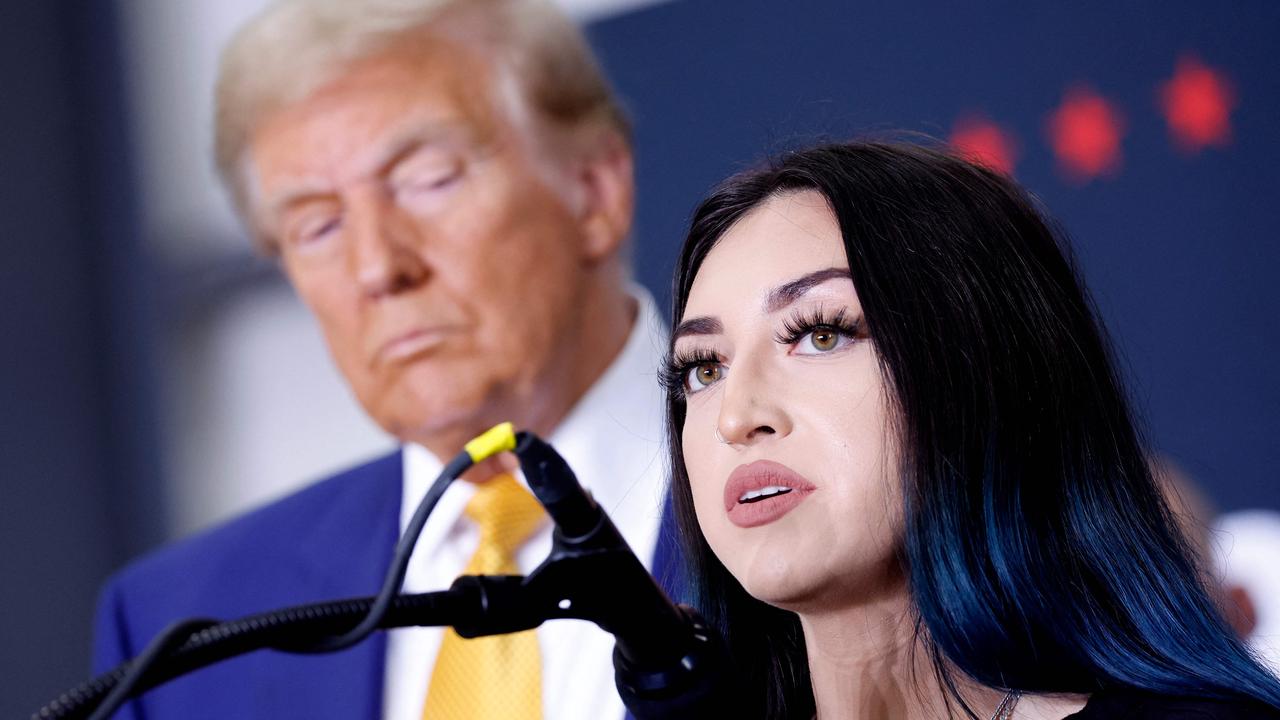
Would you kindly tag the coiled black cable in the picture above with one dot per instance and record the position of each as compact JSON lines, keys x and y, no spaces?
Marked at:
{"x":183,"y":650}
{"x":279,"y":629}
{"x":399,"y":563}
{"x":163,"y":644}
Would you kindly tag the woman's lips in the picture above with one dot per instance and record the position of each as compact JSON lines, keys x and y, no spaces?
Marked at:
{"x":763,"y":491}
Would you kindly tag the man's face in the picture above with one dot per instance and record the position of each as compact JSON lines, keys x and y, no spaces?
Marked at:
{"x":415,"y":217}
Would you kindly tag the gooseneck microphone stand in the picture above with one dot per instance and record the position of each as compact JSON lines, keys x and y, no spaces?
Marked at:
{"x":667,"y":663}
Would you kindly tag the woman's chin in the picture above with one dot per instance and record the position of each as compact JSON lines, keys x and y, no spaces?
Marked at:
{"x":781,"y":586}
{"x":811,"y":590}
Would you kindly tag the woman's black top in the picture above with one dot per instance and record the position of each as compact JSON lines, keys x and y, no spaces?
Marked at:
{"x":1134,"y":705}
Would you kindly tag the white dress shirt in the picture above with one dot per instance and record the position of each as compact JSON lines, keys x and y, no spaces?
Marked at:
{"x":613,"y":440}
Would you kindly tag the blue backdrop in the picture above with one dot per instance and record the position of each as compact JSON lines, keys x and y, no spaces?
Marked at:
{"x":1176,"y":230}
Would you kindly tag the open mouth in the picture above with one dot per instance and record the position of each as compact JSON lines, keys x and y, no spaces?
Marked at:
{"x":763,"y":493}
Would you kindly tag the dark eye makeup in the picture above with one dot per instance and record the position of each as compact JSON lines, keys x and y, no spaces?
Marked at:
{"x":803,"y":322}
{"x":674,"y":375}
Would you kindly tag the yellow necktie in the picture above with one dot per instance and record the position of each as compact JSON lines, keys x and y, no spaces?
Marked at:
{"x":497,"y":677}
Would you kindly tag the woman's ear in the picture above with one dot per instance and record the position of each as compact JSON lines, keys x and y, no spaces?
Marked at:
{"x":606,"y":179}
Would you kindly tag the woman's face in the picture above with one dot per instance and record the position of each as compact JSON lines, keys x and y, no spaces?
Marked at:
{"x":787,"y":436}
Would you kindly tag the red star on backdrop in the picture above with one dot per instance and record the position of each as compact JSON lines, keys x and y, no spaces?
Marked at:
{"x":1085,"y":132}
{"x":1197,"y":103}
{"x":981,"y":140}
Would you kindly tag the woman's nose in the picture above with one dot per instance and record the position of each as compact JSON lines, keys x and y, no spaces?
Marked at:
{"x":751,"y":409}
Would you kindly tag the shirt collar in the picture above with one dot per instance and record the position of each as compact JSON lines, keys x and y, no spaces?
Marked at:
{"x":612,"y":438}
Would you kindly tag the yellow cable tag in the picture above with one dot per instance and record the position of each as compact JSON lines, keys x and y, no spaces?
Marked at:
{"x":499,"y":438}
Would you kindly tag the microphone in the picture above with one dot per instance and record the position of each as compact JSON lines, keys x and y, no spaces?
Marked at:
{"x":667,"y":663}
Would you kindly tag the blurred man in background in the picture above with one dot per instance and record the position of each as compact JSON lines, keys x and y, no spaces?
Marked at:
{"x":1247,"y":556}
{"x":1196,"y":515}
{"x":1237,"y":552}
{"x":448,"y":187}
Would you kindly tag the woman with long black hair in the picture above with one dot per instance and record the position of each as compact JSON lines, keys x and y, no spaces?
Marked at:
{"x":906,"y":473}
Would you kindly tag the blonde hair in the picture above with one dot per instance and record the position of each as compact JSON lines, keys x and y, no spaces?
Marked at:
{"x":296,"y":46}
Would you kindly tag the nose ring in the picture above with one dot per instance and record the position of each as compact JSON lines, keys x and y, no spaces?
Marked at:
{"x":719,"y":436}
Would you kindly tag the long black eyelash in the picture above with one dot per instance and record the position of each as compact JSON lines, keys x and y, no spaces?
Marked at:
{"x":677,"y":366}
{"x":803,"y":323}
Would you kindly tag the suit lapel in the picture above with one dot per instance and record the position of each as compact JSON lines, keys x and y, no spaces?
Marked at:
{"x":347,"y":555}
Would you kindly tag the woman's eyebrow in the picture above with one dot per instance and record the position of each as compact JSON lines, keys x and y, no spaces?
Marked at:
{"x":703,"y":325}
{"x":789,"y":292}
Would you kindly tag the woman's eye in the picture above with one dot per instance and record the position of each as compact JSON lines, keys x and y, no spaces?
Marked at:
{"x":701,"y":376}
{"x":822,"y":340}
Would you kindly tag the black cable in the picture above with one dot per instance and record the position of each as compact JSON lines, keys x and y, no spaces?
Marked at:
{"x":399,"y":564}
{"x":170,"y":639}
{"x":161,"y":647}
{"x":276,"y":629}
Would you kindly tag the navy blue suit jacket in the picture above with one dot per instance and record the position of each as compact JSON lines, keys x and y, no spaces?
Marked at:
{"x":331,"y":540}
